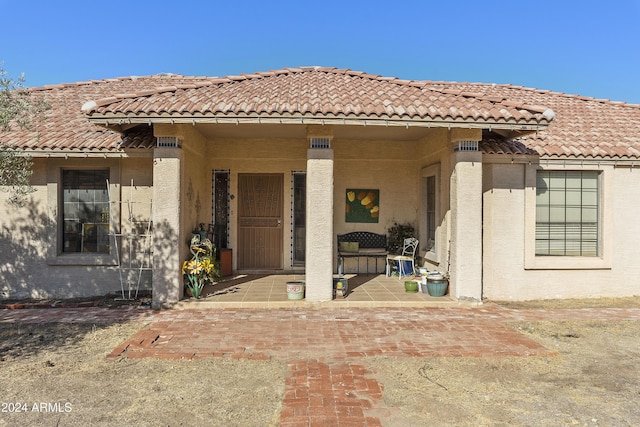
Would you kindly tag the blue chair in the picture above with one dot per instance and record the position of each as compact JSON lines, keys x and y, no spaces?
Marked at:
{"x":409,"y":248}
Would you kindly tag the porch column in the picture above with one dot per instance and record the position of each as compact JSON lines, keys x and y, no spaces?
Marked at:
{"x":319,"y":239}
{"x":466,"y":222}
{"x":167,"y":278}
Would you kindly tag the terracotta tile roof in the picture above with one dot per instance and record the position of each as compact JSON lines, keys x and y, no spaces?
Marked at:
{"x":323,"y":94}
{"x":501,"y":146}
{"x":66,"y":128}
{"x":584,"y":127}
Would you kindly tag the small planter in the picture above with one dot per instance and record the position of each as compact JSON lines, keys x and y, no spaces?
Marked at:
{"x":411,"y":286}
{"x":340,"y":287}
{"x":436,"y":285}
{"x":295,"y":290}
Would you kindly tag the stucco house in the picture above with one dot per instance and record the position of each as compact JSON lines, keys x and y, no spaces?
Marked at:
{"x":516,"y":193}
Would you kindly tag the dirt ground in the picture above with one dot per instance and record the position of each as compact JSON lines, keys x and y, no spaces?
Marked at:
{"x":57,"y":374}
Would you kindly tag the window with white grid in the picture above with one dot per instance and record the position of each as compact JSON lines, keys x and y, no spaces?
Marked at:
{"x":568,"y":213}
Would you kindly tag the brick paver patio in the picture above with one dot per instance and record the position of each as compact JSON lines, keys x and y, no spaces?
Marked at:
{"x":327,"y":384}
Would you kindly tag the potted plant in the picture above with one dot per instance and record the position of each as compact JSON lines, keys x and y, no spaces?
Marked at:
{"x":396,"y":235}
{"x":201,"y":268}
{"x":437,"y":284}
{"x":411,"y":286}
{"x":395,"y":242}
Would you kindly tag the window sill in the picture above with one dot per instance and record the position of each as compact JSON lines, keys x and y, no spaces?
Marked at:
{"x":567,"y":263}
{"x":83,"y":259}
{"x":431,"y":258}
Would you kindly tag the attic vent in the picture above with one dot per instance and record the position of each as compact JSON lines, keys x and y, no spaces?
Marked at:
{"x":168,"y":142}
{"x":320,"y":143}
{"x":466,"y":146}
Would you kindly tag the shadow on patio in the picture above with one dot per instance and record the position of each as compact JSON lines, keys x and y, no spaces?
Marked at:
{"x":270,"y":290}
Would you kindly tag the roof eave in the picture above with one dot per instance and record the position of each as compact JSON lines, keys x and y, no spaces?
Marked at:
{"x":516,"y":127}
{"x":71,"y":153}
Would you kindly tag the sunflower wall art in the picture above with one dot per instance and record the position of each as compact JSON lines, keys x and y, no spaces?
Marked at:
{"x":362,"y":205}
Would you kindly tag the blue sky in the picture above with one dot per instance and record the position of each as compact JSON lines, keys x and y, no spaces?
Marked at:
{"x":591,"y":48}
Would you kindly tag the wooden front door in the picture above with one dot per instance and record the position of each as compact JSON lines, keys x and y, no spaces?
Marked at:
{"x":260,"y":203}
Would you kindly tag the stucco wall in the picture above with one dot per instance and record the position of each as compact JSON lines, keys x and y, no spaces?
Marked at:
{"x":390,"y":167}
{"x":246,"y":156}
{"x":195,"y":180}
{"x":510,"y":269}
{"x":435,"y":160}
{"x":357,"y":164}
{"x":32,"y":264}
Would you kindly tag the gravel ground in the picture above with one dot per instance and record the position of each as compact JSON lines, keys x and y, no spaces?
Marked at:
{"x":58,"y":375}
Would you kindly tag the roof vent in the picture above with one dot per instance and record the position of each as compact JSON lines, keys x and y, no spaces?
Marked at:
{"x":465,"y":146}
{"x":320,"y":143}
{"x":168,"y":142}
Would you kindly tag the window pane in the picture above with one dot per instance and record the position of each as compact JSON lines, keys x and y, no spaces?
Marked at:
{"x":85,"y":211}
{"x":590,"y":181}
{"x":567,"y":222}
{"x":299,"y":216}
{"x":431,"y":212}
{"x":590,"y":197}
{"x":220,"y":208}
{"x":101,"y":195}
{"x":556,"y":180}
{"x":542,"y":213}
{"x":557,"y":214}
{"x":70,"y":195}
{"x":557,"y":196}
{"x":574,"y":180}
{"x":70,"y":211}
{"x":590,"y":248}
{"x":574,"y":197}
{"x":590,"y":214}
{"x":542,"y":246}
{"x":574,"y":214}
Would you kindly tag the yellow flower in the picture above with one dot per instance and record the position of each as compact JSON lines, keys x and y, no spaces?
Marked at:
{"x":206,"y":265}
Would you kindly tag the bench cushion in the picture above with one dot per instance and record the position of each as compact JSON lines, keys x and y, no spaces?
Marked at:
{"x":349,"y":247}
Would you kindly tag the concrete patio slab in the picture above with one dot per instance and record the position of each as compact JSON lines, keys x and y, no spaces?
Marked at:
{"x":270,"y":291}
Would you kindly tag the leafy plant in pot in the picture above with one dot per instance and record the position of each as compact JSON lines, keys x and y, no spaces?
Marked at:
{"x":396,"y":235}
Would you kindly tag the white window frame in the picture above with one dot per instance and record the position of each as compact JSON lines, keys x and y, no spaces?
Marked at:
{"x":430,"y":254}
{"x":605,"y":258}
{"x":55,"y":254}
{"x":293,"y":261}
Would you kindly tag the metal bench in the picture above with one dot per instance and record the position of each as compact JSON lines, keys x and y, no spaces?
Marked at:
{"x":361,"y":244}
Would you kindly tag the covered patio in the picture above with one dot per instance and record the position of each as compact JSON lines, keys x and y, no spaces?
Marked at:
{"x":290,"y":148}
{"x":270,"y":291}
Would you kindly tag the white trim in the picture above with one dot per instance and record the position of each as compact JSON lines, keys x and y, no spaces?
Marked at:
{"x":431,"y":255}
{"x":293,"y":262}
{"x":526,"y":126}
{"x":55,"y":254}
{"x":602,"y":262}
